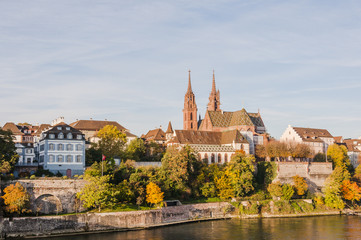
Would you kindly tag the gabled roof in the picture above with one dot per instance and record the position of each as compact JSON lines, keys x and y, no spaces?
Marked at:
{"x":155,"y":135}
{"x":208,"y":137}
{"x":169,"y":129}
{"x":238,"y":118}
{"x":13,"y":128}
{"x":312,"y":134}
{"x":42,"y":128}
{"x":353,"y":145}
{"x":95,"y":125}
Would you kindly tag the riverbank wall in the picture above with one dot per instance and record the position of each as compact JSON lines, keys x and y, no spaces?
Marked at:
{"x":113,"y":221}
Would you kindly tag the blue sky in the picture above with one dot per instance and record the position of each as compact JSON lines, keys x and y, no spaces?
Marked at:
{"x":299,"y":62}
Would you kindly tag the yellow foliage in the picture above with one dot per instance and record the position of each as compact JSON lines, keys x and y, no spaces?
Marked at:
{"x":154,"y":194}
{"x":300,"y":185}
{"x":350,"y":191}
{"x":15,"y":198}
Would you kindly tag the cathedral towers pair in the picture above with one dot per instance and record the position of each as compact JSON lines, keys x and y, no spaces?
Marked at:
{"x":190,"y":107}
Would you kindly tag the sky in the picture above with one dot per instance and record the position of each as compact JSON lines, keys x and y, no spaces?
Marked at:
{"x":298,"y":62}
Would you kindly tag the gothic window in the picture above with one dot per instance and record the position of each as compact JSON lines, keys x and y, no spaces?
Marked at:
{"x":191,"y":125}
{"x":219,"y":158}
{"x":191,"y":116}
{"x":60,"y":147}
{"x":226,"y":158}
{"x":213,"y":158}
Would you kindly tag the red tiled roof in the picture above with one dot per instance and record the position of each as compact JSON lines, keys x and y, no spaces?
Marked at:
{"x":94,"y":125}
{"x":13,"y":128}
{"x":312,"y":134}
{"x":155,"y":135}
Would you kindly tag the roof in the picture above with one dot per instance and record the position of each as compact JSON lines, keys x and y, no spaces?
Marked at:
{"x":237,"y":118}
{"x":208,"y":137}
{"x":353,"y":145}
{"x":169,"y":129}
{"x":42,"y":128}
{"x":13,"y":128}
{"x":211,"y":148}
{"x":312,"y":134}
{"x":94,"y":125}
{"x":65,"y":129}
{"x":338,"y":139}
{"x":155,"y":135}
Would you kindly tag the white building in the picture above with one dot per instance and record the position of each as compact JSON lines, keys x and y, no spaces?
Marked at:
{"x":353,"y":150}
{"x":317,"y":139}
{"x":62,"y":149}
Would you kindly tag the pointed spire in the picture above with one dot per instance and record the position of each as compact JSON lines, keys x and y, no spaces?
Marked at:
{"x":214,"y":84}
{"x":170,"y":129}
{"x":189,"y":81}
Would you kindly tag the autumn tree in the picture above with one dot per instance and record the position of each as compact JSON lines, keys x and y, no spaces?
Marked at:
{"x":300,"y":150}
{"x":287,"y":191}
{"x":338,"y":155}
{"x":98,"y":192}
{"x":350,"y":191}
{"x":154,"y":194}
{"x":112,"y":141}
{"x":8,"y":155}
{"x":332,"y":189}
{"x":275,"y":189}
{"x":16,"y":198}
{"x":300,"y":185}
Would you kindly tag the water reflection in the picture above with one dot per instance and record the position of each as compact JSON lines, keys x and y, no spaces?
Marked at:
{"x":327,"y":227}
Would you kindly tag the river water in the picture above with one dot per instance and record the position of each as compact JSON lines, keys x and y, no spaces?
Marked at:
{"x":325,"y":227}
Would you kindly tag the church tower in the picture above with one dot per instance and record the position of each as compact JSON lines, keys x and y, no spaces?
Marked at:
{"x":214,"y":98}
{"x":190,"y":108}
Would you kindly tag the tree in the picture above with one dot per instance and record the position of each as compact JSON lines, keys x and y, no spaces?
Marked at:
{"x":319,"y":157}
{"x":275,"y":189}
{"x":92,"y":155}
{"x":112,"y":141}
{"x":333,"y":185}
{"x":8,"y":156}
{"x":98,"y":192}
{"x":136,"y":149}
{"x":224,"y":186}
{"x":16,"y":198}
{"x":154,"y":194}
{"x":287,"y":191}
{"x":338,"y":156}
{"x":300,"y":185}
{"x":350,"y":191}
{"x":300,"y":150}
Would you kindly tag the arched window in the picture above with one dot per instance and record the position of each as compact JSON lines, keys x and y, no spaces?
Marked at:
{"x":78,"y":158}
{"x":191,"y":125}
{"x":191,"y":116}
{"x":60,"y":158}
{"x":213,"y":158}
{"x":69,"y":147}
{"x":51,"y":146}
{"x":226,"y":158}
{"x":60,"y":147}
{"x":206,"y":157}
{"x":69,"y":158}
{"x":69,"y":136}
{"x":51,"y":158}
{"x":60,"y":135}
{"x":219,"y":158}
{"x":199,"y":156}
{"x":79,"y":147}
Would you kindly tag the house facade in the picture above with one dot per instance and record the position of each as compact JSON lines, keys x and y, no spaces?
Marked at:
{"x":353,"y":150}
{"x":317,"y":139}
{"x":62,"y":149}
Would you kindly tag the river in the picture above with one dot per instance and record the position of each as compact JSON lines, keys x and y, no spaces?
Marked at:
{"x":325,"y":227}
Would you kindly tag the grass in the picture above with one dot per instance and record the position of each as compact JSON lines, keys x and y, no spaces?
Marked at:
{"x":202,"y":200}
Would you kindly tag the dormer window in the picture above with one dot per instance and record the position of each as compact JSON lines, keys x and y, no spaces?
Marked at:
{"x":79,"y":136}
{"x":51,"y":136}
{"x":60,"y":135}
{"x":68,"y":128}
{"x":59,"y":128}
{"x":70,"y":136}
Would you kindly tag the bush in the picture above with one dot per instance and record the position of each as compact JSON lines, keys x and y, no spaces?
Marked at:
{"x":287,"y":191}
{"x":275,"y":189}
{"x":58,"y":174}
{"x":41,"y":172}
{"x":252,"y":208}
{"x":76,"y":176}
{"x":32,"y":177}
{"x":65,"y":177}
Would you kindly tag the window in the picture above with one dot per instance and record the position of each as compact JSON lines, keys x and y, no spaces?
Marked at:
{"x":28,"y":160}
{"x":60,"y":135}
{"x":60,"y":147}
{"x":42,"y":158}
{"x":67,"y":128}
{"x":79,"y":147}
{"x":219,"y":158}
{"x":28,"y":151}
{"x":60,"y":158}
{"x":69,"y":136}
{"x":51,"y":146}
{"x":191,"y":116}
{"x":51,"y":136}
{"x":42,"y":147}
{"x":59,"y":128}
{"x":69,"y":147}
{"x":51,"y":158}
{"x":69,"y":158}
{"x":79,"y":136}
{"x":213,"y":158}
{"x":78,"y":158}
{"x":226,"y":158}
{"x":206,"y":157}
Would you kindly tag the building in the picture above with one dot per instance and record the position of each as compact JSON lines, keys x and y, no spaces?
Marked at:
{"x":317,"y":139}
{"x":249,"y":125}
{"x":211,"y":146}
{"x":353,"y":150}
{"x":91,"y":127}
{"x":62,"y":149}
{"x":156,"y":135}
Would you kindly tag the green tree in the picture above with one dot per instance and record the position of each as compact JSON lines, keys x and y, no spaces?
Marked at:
{"x":8,"y":156}
{"x":333,"y":185}
{"x":112,"y":141}
{"x":92,"y":155}
{"x":179,"y":171}
{"x":319,"y":157}
{"x":287,"y":191}
{"x":275,"y":189}
{"x":98,"y":192}
{"x":338,"y":155}
{"x":136,"y":149}
{"x":207,"y":179}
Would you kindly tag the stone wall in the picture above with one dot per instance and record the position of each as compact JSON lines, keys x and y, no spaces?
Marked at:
{"x":315,"y":173}
{"x":117,"y":221}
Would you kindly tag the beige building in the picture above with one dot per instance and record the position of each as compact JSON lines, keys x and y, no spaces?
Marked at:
{"x":317,"y":139}
{"x":353,"y":150}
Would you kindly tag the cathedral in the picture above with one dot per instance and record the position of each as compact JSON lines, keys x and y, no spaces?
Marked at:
{"x":220,"y":133}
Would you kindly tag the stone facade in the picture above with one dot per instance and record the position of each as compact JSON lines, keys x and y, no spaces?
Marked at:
{"x":315,"y":173}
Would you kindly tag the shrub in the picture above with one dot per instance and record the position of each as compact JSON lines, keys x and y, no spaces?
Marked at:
{"x":32,"y":177}
{"x":287,"y":191}
{"x":65,"y":177}
{"x":275,"y":189}
{"x":300,"y":185}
